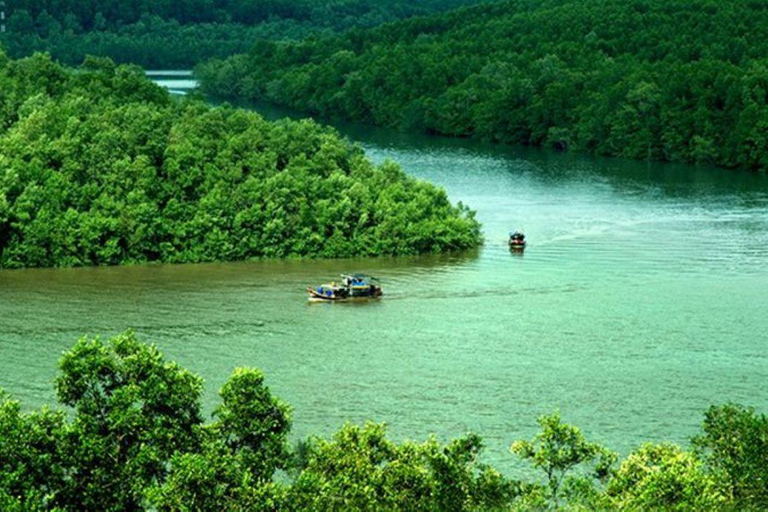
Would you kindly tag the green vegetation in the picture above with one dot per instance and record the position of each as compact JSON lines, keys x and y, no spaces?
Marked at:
{"x":99,"y":166}
{"x":131,"y":437}
{"x":560,"y":448}
{"x":734,"y":444}
{"x":336,"y":13}
{"x":182,"y":33}
{"x":152,"y":42}
{"x":673,"y":80}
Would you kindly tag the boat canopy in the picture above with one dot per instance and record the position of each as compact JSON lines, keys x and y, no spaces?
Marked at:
{"x":358,"y":278}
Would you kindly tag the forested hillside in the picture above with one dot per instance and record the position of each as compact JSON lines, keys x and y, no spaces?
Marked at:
{"x":181,"y":33}
{"x":125,"y":12}
{"x":100,"y":166}
{"x":681,"y":80}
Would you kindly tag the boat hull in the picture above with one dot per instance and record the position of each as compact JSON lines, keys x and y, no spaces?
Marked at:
{"x":317,"y":297}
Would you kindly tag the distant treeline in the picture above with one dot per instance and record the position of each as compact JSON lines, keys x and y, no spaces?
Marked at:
{"x":98,"y":14}
{"x":182,"y":33}
{"x":99,"y":166}
{"x":152,"y":42}
{"x":680,"y":80}
{"x":129,"y":435}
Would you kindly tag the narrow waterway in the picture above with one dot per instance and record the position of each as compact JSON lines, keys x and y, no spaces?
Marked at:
{"x":178,"y":82}
{"x":639,"y":302}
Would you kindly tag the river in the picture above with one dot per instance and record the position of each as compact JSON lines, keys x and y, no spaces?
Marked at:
{"x":640,"y":301}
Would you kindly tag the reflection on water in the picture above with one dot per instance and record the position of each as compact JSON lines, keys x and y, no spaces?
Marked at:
{"x":638,"y":302}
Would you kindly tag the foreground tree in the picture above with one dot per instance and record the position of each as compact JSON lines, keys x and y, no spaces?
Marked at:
{"x":134,"y":440}
{"x":240,"y":452}
{"x":32,"y":465}
{"x":663,"y":477}
{"x":559,"y":449}
{"x":360,"y":469}
{"x":734,"y":445}
{"x":133,"y":411}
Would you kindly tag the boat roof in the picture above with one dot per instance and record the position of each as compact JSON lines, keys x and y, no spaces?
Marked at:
{"x":360,"y":277}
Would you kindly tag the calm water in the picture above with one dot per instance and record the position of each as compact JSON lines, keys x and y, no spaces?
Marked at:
{"x":640,"y":301}
{"x":176,"y":81}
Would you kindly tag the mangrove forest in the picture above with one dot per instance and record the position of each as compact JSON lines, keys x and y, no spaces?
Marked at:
{"x":647,"y":79}
{"x":181,"y":33}
{"x":99,"y":166}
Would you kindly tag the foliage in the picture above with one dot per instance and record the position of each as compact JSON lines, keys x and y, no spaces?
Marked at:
{"x":360,"y":469}
{"x":31,"y":460}
{"x":214,"y":479}
{"x":253,"y":424}
{"x":560,"y":448}
{"x":239,"y":454}
{"x":151,"y":42}
{"x":182,"y":33}
{"x":734,"y":444}
{"x":136,"y":437}
{"x":132,"y":438}
{"x":100,"y":167}
{"x":202,"y":480}
{"x":209,"y":11}
{"x":672,"y":80}
{"x":133,"y":411}
{"x":663,"y":477}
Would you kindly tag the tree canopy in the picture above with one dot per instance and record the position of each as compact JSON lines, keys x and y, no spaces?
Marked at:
{"x":238,"y":11}
{"x":649,"y":79}
{"x":181,"y":33}
{"x":99,"y":166}
{"x":129,"y":435}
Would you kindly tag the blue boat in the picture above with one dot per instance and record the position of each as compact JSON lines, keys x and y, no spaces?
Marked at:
{"x":352,"y":286}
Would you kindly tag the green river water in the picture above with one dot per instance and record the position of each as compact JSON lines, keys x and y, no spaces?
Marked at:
{"x":640,"y":301}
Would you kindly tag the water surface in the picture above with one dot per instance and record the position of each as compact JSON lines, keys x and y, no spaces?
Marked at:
{"x":178,"y":82}
{"x":639,"y":302}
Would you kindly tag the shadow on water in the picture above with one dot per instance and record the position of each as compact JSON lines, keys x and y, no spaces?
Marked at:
{"x":39,"y":283}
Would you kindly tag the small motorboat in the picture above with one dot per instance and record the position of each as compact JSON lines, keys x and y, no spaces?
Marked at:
{"x":328,"y":292}
{"x":352,"y":287}
{"x":516,"y":241}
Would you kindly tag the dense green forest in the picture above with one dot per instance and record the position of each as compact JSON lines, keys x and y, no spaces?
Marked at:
{"x":131,"y":436}
{"x":680,"y":80}
{"x":152,"y":42}
{"x":333,"y":13}
{"x":182,"y":33}
{"x":101,"y":166}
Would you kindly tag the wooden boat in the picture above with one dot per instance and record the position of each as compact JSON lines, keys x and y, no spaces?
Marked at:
{"x":517,"y":241}
{"x":352,"y":287}
{"x":328,"y":292}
